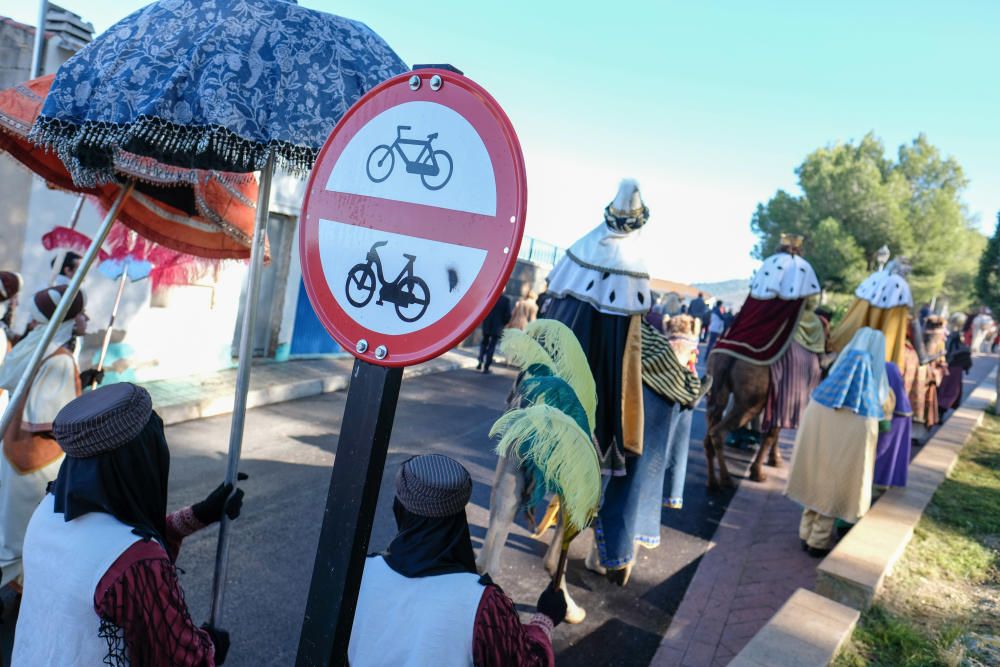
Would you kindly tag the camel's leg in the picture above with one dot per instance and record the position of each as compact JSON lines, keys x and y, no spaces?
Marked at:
{"x":505,"y":497}
{"x":768,"y":446}
{"x":718,"y":401}
{"x":551,"y":560}
{"x":774,"y":455}
{"x":737,"y":417}
{"x":574,"y":612}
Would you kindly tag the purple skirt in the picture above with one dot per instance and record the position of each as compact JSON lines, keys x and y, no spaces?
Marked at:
{"x":892,"y":454}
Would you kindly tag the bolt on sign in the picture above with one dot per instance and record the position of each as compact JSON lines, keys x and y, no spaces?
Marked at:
{"x":413,"y":218}
{"x":410,"y":229}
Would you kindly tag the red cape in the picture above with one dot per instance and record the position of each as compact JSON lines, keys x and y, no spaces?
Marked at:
{"x":762,"y":330}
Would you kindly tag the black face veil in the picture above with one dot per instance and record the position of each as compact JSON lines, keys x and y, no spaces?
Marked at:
{"x":129,"y":483}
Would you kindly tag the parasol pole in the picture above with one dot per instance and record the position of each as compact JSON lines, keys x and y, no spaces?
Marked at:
{"x":111,"y":323}
{"x":64,"y":303}
{"x":242,"y":381}
{"x":36,"y":53}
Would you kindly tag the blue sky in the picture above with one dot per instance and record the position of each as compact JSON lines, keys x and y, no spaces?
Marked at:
{"x":711,"y":105}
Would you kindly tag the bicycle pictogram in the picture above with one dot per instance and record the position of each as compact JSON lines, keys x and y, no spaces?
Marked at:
{"x":409,"y":293}
{"x":434,"y":166}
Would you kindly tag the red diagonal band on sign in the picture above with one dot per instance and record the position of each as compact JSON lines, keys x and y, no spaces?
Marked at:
{"x":472,"y":230}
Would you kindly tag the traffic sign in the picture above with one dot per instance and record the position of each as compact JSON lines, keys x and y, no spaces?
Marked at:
{"x":413,"y":217}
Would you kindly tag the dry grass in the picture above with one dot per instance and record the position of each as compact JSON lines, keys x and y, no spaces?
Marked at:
{"x":948,"y":582}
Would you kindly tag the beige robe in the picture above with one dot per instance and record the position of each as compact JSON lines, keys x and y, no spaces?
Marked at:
{"x":834,"y":462}
{"x":30,"y":462}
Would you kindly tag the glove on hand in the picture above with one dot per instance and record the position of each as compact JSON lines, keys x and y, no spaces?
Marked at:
{"x":552,"y":603}
{"x":210,"y":510}
{"x":90,"y":376}
{"x":220,"y":639}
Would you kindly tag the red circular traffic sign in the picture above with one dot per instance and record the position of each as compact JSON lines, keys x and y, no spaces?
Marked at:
{"x":413,"y":217}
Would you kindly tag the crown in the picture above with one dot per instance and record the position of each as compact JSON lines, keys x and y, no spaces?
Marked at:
{"x":792,"y":241}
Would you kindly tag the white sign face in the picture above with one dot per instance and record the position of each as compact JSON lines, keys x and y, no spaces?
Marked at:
{"x":391,"y":283}
{"x":419,"y":153}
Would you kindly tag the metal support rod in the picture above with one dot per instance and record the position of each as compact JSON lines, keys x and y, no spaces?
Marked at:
{"x":349,"y":515}
{"x":242,"y":381}
{"x":63,"y":306}
{"x":111,"y":322}
{"x":36,"y":53}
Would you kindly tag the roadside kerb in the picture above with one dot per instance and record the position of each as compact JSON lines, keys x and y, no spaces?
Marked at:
{"x":290,"y":390}
{"x":807,"y":631}
{"x":855,"y":570}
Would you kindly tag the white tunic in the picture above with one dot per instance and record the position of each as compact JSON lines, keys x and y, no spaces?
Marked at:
{"x":20,"y":492}
{"x":404,"y":622}
{"x":64,"y":563}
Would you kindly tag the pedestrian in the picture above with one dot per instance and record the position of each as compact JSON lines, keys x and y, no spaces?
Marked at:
{"x":543,"y":299}
{"x":100,"y":585}
{"x":958,"y":356}
{"x":31,"y":458}
{"x":925,"y":311}
{"x":631,"y":509}
{"x":716,"y":325}
{"x":10,"y":286}
{"x":525,"y":312}
{"x":68,"y":268}
{"x":422,"y":601}
{"x":498,"y":318}
{"x":680,"y":334}
{"x":698,"y":309}
{"x":833,"y":463}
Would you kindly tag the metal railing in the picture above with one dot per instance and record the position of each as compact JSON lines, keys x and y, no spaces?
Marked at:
{"x":540,"y":252}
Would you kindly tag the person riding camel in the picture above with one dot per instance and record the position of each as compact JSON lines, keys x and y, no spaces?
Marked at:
{"x":600,"y":289}
{"x":778,"y":329}
{"x":883,"y":301}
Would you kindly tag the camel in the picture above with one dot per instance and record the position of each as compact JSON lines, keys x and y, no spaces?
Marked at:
{"x":505,"y":500}
{"x":747,"y":384}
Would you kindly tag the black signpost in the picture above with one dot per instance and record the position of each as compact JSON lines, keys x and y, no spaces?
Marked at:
{"x":349,"y":514}
{"x":485,"y":234}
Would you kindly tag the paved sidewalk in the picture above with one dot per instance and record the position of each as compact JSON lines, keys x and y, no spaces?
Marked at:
{"x":209,"y":394}
{"x":753,"y":565}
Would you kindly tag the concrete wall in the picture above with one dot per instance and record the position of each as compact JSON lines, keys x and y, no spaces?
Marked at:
{"x":15,"y":181}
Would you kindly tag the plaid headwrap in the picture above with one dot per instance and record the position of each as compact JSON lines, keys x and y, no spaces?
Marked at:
{"x":433,"y":485}
{"x":102,"y":420}
{"x":852,"y":385}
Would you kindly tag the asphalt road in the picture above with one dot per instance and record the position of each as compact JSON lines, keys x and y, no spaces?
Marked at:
{"x":288,"y":453}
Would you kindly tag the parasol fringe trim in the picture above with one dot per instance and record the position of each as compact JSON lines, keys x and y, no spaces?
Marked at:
{"x":97,"y":141}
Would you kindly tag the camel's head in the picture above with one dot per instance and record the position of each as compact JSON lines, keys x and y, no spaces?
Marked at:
{"x":626,"y":213}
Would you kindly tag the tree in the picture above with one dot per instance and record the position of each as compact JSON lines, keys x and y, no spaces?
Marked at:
{"x":855,"y":199}
{"x":988,"y":278}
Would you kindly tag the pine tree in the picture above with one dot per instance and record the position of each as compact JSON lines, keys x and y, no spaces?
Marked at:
{"x":988,"y":279}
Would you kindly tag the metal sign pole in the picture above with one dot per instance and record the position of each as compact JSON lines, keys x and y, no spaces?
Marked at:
{"x":349,"y":515}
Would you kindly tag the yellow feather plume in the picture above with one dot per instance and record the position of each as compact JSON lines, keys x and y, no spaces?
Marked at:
{"x":570,"y":361}
{"x":551,"y":440}
{"x":523,"y":351}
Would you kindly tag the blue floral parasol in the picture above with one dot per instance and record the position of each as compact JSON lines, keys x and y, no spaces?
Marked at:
{"x":211,"y":84}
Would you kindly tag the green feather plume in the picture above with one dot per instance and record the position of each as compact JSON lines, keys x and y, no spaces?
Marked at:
{"x":556,"y":392}
{"x":551,"y":440}
{"x":569,"y":359}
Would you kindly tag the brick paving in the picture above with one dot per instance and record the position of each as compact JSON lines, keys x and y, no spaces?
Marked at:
{"x":752,"y":567}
